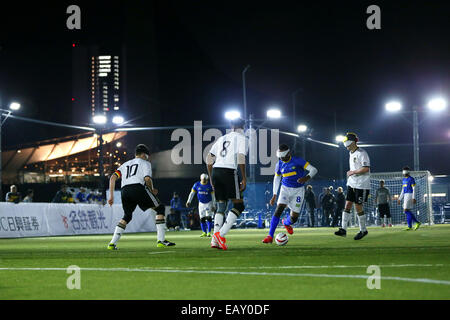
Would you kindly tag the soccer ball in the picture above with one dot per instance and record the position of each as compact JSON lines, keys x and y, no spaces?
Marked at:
{"x":281,"y":239}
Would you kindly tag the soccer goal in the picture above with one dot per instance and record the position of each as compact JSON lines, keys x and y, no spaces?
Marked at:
{"x":393,"y":181}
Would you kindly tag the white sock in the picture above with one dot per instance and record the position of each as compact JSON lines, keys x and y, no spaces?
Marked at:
{"x":117,"y":234}
{"x":218,"y":221}
{"x":345,"y":217}
{"x":390,"y":220}
{"x":362,"y":223}
{"x":161,"y":231}
{"x":231,"y":219}
{"x":385,"y":220}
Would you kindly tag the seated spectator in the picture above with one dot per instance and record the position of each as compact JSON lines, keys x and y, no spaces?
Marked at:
{"x":193,"y":220}
{"x":29,"y":196}
{"x":173,"y":219}
{"x":13,"y":195}
{"x":81,"y":196}
{"x":63,"y":196}
{"x":92,"y":197}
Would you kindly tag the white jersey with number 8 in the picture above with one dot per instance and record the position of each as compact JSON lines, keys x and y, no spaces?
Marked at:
{"x":227,"y":148}
{"x":134,"y":171}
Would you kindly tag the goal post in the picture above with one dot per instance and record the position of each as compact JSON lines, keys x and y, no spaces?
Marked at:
{"x":393,"y":181}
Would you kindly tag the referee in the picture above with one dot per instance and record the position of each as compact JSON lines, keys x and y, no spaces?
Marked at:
{"x":137,"y":190}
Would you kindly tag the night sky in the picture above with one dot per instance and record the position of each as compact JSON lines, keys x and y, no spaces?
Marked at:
{"x":185,"y":60}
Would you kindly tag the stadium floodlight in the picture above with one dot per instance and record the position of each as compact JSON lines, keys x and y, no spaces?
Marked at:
{"x":14,"y":106}
{"x":393,"y":106}
{"x":437,"y":104}
{"x":118,"y":144}
{"x":302,"y":128}
{"x":273,"y":114}
{"x":118,"y":120}
{"x":340,"y":138}
{"x":99,"y":119}
{"x":232,"y":115}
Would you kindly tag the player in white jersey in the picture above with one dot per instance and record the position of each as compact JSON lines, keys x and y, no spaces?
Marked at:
{"x":137,"y":190}
{"x":358,"y":185}
{"x":227,"y":153}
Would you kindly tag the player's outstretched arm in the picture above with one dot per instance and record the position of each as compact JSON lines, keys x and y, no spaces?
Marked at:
{"x":112,"y":186}
{"x":241,"y":163}
{"x":149,"y":184}
{"x":210,"y":159}
{"x":312,"y":171}
{"x":190,"y":198}
{"x":276,"y":185}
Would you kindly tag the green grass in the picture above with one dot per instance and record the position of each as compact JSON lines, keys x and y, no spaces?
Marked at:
{"x":248,"y":270}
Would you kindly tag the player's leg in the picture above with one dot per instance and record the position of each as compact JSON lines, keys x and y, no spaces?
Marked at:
{"x":149,"y":201}
{"x":295,"y":204}
{"x":388,"y":215}
{"x":128,"y":205}
{"x":362,"y":196}
{"x":345,"y":217}
{"x":232,"y":192}
{"x":202,"y":215}
{"x":350,"y":199}
{"x":382,"y":215}
{"x":209,"y":214}
{"x":407,"y":208}
{"x":217,"y":178}
{"x":274,"y":222}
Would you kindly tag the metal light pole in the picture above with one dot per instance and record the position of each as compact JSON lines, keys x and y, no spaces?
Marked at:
{"x":100,"y":164}
{"x":416,"y":138}
{"x":244,"y":91}
{"x":294,"y":114}
{"x":250,"y":142}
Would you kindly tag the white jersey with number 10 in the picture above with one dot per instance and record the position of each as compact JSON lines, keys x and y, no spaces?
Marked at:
{"x":134,"y":171}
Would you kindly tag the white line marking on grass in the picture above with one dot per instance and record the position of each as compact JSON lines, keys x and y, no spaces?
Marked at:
{"x":305,"y":267}
{"x":310,"y":275}
{"x":161,"y":252}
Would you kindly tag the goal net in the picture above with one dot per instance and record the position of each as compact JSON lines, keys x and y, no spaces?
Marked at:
{"x":393,"y":181}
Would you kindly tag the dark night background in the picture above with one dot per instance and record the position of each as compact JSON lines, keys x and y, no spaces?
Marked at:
{"x":185,"y":58}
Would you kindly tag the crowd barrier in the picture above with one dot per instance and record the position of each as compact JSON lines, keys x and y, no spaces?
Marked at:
{"x":60,"y":219}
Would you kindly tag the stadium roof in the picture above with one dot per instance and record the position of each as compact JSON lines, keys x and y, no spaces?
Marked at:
{"x":13,"y":160}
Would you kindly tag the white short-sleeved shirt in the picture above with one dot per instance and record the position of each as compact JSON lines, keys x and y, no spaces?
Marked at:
{"x":358,"y":159}
{"x":226,"y":149}
{"x":134,"y":171}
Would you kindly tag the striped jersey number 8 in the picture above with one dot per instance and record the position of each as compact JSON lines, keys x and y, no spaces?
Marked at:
{"x":299,"y":199}
{"x":224,"y":151}
{"x":132,"y":170}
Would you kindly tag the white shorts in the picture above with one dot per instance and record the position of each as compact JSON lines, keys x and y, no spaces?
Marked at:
{"x":205,"y":209}
{"x":408,"y":201}
{"x":292,"y":197}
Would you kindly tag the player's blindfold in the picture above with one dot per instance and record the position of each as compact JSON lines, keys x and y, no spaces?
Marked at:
{"x":282,"y":154}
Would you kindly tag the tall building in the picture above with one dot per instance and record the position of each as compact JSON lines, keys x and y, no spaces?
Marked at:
{"x":98,"y":82}
{"x":105,"y":84}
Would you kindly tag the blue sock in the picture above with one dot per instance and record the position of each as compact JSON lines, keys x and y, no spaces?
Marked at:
{"x":208,"y":223}
{"x":287,"y":221}
{"x":203,"y":225}
{"x":273,"y":225}
{"x":408,"y":218}
{"x":413,"y":217}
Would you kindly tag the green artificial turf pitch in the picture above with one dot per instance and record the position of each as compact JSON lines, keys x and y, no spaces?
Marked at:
{"x":315,"y":264}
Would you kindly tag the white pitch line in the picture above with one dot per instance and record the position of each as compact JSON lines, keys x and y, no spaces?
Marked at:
{"x":308,"y":267}
{"x":161,"y":252}
{"x":311,"y":275}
